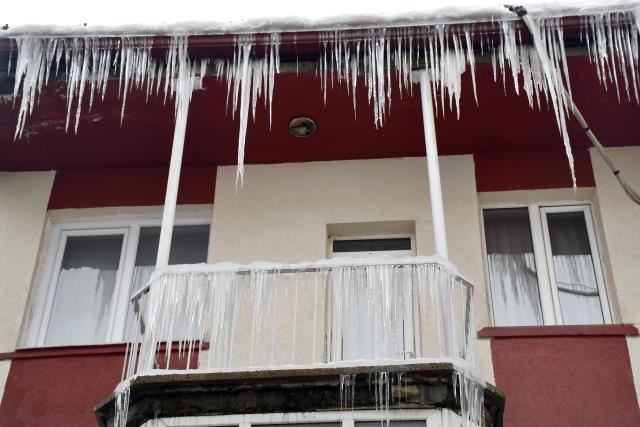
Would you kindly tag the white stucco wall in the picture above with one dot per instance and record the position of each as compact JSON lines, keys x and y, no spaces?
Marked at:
{"x":23,"y":207}
{"x":283,"y":210}
{"x":621,"y":227}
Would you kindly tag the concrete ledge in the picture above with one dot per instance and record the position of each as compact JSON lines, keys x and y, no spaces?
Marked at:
{"x":193,"y":393}
{"x":557,"y":331}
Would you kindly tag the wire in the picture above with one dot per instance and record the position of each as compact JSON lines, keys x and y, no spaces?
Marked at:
{"x":633,"y":195}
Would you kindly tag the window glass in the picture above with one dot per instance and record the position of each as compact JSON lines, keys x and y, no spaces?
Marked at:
{"x":372,"y":245}
{"x":189,"y":245}
{"x":512,"y":267}
{"x":84,"y":291}
{"x":573,"y":267}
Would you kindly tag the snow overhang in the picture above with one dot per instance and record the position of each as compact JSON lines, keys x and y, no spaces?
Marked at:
{"x":73,"y":18}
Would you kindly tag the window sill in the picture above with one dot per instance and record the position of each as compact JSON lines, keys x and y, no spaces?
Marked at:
{"x":557,"y":331}
{"x":73,"y":351}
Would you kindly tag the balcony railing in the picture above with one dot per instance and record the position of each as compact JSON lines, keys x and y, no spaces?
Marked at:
{"x":330,"y":312}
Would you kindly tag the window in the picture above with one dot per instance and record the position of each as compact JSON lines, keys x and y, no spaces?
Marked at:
{"x":544,"y":267}
{"x":371,"y":245}
{"x":358,"y":334}
{"x":93,"y":270}
{"x":358,"y":418}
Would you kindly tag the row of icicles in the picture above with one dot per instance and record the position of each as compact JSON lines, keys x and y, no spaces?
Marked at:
{"x":377,"y":55}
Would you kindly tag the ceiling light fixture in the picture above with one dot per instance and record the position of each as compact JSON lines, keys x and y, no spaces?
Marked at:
{"x":302,"y":127}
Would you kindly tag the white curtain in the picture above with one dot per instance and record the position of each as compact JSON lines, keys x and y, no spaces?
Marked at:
{"x":574,"y":270}
{"x":84,"y":292}
{"x":512,"y":267}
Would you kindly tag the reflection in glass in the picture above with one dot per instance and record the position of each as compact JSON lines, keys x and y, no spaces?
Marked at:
{"x":574,"y":269}
{"x":189,"y":245}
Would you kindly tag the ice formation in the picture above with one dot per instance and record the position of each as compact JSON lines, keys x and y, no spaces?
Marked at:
{"x":242,"y":310}
{"x":381,"y":56}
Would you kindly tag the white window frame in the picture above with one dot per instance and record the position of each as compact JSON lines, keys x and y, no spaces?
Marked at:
{"x":548,"y":291}
{"x":36,"y":330}
{"x":410,"y":336}
{"x":432,"y":417}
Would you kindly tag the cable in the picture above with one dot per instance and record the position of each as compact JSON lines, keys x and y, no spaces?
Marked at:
{"x":633,"y":195}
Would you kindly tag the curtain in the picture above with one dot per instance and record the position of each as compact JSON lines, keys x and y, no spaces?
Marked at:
{"x":512,"y":267}
{"x":84,"y":292}
{"x":574,"y":270}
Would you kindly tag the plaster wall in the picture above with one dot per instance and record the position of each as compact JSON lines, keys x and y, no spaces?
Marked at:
{"x":4,"y":373}
{"x":23,"y":210}
{"x":282,"y":213}
{"x":621,"y":227}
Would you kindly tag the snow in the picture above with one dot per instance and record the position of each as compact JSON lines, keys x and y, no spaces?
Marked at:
{"x":147,"y":17}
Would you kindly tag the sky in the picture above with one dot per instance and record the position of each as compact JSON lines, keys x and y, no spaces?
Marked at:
{"x":68,"y":17}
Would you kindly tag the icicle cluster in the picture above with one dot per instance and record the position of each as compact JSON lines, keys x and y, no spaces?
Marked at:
{"x":231,"y":304}
{"x":249,"y":78}
{"x":202,"y":305}
{"x":612,"y":42}
{"x":375,"y":57}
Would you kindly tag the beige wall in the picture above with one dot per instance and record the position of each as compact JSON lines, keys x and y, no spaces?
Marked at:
{"x":282,"y":212}
{"x":23,"y":207}
{"x":621,"y":227}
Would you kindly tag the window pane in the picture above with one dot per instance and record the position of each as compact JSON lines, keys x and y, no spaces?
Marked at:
{"x":189,"y":245}
{"x":372,"y":245}
{"x":512,"y":267}
{"x":83,"y":300}
{"x":574,"y":269}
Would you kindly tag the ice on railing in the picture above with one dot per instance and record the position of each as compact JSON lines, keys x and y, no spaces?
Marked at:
{"x":316,"y":313}
{"x":336,"y":312}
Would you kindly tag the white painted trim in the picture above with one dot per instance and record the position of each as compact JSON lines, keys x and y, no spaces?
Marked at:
{"x":347,"y":418}
{"x":547,"y":303}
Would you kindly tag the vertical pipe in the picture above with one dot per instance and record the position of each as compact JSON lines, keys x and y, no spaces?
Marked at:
{"x":433,"y":168}
{"x":171,"y":197}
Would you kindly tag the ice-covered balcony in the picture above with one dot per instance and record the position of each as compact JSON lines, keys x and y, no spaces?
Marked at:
{"x":336,"y":311}
{"x":269,"y":337}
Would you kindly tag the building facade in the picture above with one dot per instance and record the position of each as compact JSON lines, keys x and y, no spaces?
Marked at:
{"x":553,"y":267}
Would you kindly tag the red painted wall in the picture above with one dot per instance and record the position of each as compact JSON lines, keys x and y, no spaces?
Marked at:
{"x":58,"y":391}
{"x":565,"y":381}
{"x":530,"y":170}
{"x":61,"y":386}
{"x":92,"y":188}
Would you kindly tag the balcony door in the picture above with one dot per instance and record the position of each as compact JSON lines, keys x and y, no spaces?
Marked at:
{"x":371,"y":311}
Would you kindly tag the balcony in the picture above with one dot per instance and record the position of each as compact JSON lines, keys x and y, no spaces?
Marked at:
{"x":329,"y":322}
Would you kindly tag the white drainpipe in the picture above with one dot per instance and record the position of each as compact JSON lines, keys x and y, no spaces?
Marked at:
{"x":171,"y":197}
{"x":433,"y":168}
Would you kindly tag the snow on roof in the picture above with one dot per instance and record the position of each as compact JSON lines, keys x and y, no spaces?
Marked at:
{"x":170,"y":17}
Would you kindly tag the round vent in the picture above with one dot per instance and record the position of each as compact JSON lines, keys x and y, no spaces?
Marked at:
{"x":302,"y":127}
